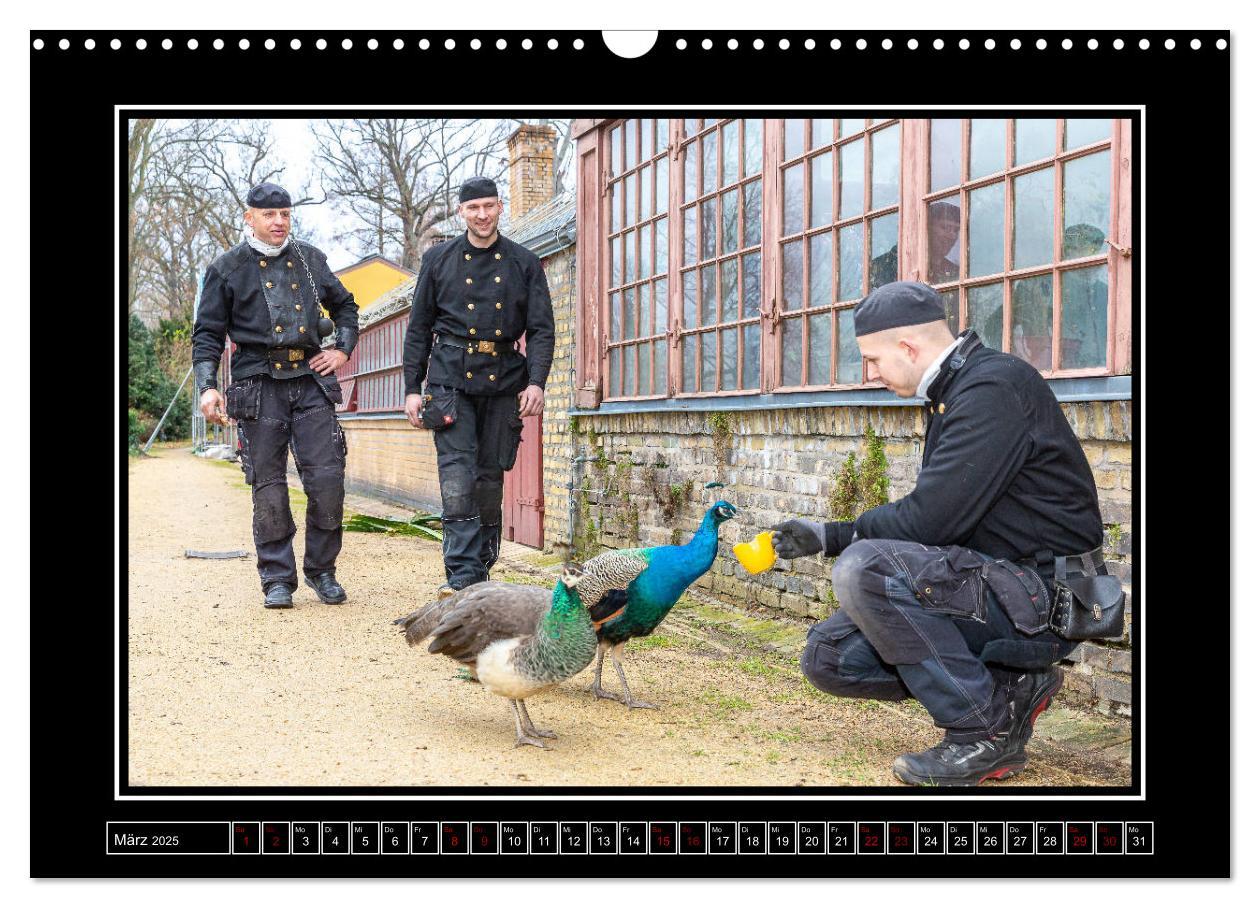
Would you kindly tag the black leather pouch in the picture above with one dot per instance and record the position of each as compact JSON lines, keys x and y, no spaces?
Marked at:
{"x":244,"y":399}
{"x":440,"y":408}
{"x":1087,"y":608}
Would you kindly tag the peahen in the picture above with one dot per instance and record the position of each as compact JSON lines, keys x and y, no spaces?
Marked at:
{"x":517,"y":640}
{"x":634,"y":609}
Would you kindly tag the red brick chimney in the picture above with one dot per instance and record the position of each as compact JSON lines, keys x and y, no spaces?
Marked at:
{"x":531,"y":164}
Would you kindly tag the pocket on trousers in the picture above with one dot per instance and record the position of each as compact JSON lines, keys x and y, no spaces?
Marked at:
{"x":441,"y":407}
{"x":330,"y":386}
{"x":244,"y":398}
{"x":340,"y":446}
{"x":952,"y":584}
{"x":1021,"y":593}
{"x":511,"y":441}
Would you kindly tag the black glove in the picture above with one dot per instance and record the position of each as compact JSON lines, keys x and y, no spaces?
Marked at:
{"x":797,"y":538}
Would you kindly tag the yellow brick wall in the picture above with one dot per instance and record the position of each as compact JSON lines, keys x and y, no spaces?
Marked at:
{"x":388,"y":459}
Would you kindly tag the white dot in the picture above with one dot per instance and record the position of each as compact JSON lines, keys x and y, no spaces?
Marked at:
{"x":861,"y":44}
{"x":1170,"y":44}
{"x":886,"y":44}
{"x":758,"y":44}
{"x":732,"y":44}
{"x":243,"y":44}
{"x":784,"y":44}
{"x":115,"y":44}
{"x":963,"y":44}
{"x":320,"y":44}
{"x":1144,"y":44}
{"x":938,"y":44}
{"x":552,"y":44}
{"x":167,"y":44}
{"x":1016,"y":44}
{"x":64,"y":43}
{"x":527,"y":44}
{"x":295,"y":44}
{"x":38,"y":44}
{"x":270,"y":44}
{"x":578,"y":44}
{"x":1092,"y":44}
{"x":373,"y":44}
{"x":141,"y":44}
{"x":90,"y":44}
{"x":1041,"y":44}
{"x":809,"y":43}
{"x":913,"y":44}
{"x":399,"y":44}
{"x":1195,"y":44}
{"x":449,"y":43}
{"x":346,"y":44}
{"x":1221,"y":44}
{"x":989,"y":44}
{"x":475,"y":44}
{"x":681,"y":44}
{"x":501,"y":44}
{"x":1118,"y":44}
{"x":218,"y":44}
{"x":192,"y":44}
{"x":707,"y":44}
{"x":835,"y":43}
{"x":424,"y":43}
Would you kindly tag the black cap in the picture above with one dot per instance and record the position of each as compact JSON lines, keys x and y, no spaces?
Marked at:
{"x":897,"y":305}
{"x":268,"y":195}
{"x":477,"y":188}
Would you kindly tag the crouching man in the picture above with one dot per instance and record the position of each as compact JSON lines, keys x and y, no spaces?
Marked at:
{"x":945,"y":594}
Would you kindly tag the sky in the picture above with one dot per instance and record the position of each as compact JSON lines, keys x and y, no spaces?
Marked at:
{"x":295,"y":149}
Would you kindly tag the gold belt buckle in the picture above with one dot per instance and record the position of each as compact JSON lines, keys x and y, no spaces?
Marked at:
{"x":485,"y":346}
{"x":295,"y":355}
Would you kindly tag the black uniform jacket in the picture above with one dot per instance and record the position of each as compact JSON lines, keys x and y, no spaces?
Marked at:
{"x":264,"y":302}
{"x":1002,"y":471}
{"x":465,"y":296}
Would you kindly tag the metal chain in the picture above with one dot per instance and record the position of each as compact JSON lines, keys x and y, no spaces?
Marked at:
{"x":297,"y":247}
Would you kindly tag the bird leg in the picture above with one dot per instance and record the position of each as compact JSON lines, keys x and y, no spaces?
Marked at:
{"x":523,"y":735}
{"x":628,"y":700}
{"x":531,"y":728}
{"x":597,"y":688}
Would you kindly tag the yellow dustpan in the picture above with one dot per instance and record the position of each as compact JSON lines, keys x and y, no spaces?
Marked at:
{"x":756,"y":556}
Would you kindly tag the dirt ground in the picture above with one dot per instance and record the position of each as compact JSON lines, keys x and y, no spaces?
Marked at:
{"x":225,"y":692}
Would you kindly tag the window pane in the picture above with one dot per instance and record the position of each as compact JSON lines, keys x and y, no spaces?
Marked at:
{"x":631,"y":317}
{"x":849,"y":366}
{"x":614,"y":317}
{"x":709,"y":171}
{"x":632,"y":198}
{"x":708,"y":229}
{"x":662,"y":186}
{"x":645,"y":251}
{"x":644,"y":364}
{"x":950,"y":299}
{"x":822,"y":133}
{"x":708,"y":361}
{"x":820,"y":269}
{"x":616,"y":150}
{"x":689,"y":363}
{"x":632,"y":143}
{"x":946,"y":160}
{"x":1083,"y":334}
{"x":645,"y":194}
{"x":662,"y":246}
{"x":793,"y":199}
{"x":851,"y":262}
{"x":752,"y":357}
{"x":985,"y":232}
{"x":1034,"y":140}
{"x":690,"y":152}
{"x":793,"y":139}
{"x":988,"y":147}
{"x":792,"y":278}
{"x":820,"y":190}
{"x":730,"y":291}
{"x":886,"y":167}
{"x":883,"y":251}
{"x":943,"y":223}
{"x":662,"y":135}
{"x":730,"y":152}
{"x":753,"y":147}
{"x":852,"y":179}
{"x":660,"y":306}
{"x":689,"y":299}
{"x":1086,"y":205}
{"x":851,"y":126}
{"x":752,"y":213}
{"x":614,"y":275}
{"x":730,"y":358}
{"x":752,"y":285}
{"x":708,"y":295}
{"x":984,"y":313}
{"x":660,"y":363}
{"x":645,"y":310}
{"x":790,"y":350}
{"x":615,"y":218}
{"x":1082,"y":132}
{"x":1034,"y":218}
{"x":1031,"y":307}
{"x":689,"y":236}
{"x":614,"y":372}
{"x":730,"y":220}
{"x":819,"y":349}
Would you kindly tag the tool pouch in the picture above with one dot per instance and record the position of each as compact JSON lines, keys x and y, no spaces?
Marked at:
{"x":440,"y":408}
{"x":1086,"y":608}
{"x":244,"y":398}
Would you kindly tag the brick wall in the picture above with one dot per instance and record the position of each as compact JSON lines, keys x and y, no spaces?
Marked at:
{"x":388,"y":459}
{"x":531,"y":159}
{"x":557,"y":439}
{"x":645,"y":474}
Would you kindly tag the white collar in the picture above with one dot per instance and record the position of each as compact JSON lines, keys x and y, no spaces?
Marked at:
{"x":265,"y":248}
{"x":934,"y":370}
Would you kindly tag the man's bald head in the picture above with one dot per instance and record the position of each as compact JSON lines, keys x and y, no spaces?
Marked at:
{"x":898,"y":357}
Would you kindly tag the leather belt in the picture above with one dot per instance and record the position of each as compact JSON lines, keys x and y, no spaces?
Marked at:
{"x":291,"y":357}
{"x":470,"y":345}
{"x":1091,"y":564}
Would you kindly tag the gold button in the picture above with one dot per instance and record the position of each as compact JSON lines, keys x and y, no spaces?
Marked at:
{"x":498,"y":305}
{"x":497,"y":332}
{"x":262,"y":263}
{"x":467,"y":280}
{"x":290,"y":264}
{"x":278,"y":329}
{"x":498,"y":255}
{"x":470,"y":305}
{"x":301,"y":329}
{"x":268,"y":285}
{"x":298,"y":308}
{"x":468,"y":375}
{"x":494,"y":353}
{"x":492,"y":378}
{"x":277,"y":365}
{"x":470,"y":349}
{"x":927,"y":591}
{"x":293,"y":286}
{"x":472,"y":330}
{"x":497,"y":279}
{"x":941,"y":409}
{"x":293,"y":365}
{"x":467,"y":256}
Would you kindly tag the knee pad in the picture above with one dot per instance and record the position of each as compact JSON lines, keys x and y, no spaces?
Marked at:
{"x":272,"y":520}
{"x":489,"y":497}
{"x":325,"y":500}
{"x":458,"y":500}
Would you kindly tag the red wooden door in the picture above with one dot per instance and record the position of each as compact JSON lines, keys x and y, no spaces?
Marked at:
{"x":523,"y":487}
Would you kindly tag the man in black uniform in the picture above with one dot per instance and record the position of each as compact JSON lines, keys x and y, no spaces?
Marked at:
{"x":475,"y":297}
{"x":923,"y":609}
{"x":266,"y":295}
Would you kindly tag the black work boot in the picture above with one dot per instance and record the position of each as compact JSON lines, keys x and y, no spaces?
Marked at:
{"x":327,"y":588}
{"x":277,"y":595}
{"x":950,"y":763}
{"x":1030,"y":694}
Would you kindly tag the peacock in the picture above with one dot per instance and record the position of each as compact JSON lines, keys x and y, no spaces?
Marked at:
{"x":634,"y":608}
{"x":518,"y":640}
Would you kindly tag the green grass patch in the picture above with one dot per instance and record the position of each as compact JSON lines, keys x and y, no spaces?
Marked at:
{"x":652,"y":641}
{"x":725,"y":703}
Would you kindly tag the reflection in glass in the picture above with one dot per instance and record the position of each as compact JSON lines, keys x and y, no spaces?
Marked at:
{"x":790,"y":350}
{"x":632,"y":198}
{"x":614,"y":276}
{"x":689,"y":236}
{"x":1034,"y":140}
{"x":752,"y":285}
{"x":645,"y":193}
{"x":988,"y":147}
{"x":662,"y":246}
{"x":1083,"y":335}
{"x":689,"y":299}
{"x":630,"y":319}
{"x":615,"y":140}
{"x":689,"y":363}
{"x":985,"y":233}
{"x":709,"y":171}
{"x":849,"y":364}
{"x":820,"y":269}
{"x":793,"y":265}
{"x":730,"y":152}
{"x":690,"y":153}
{"x":752,"y":213}
{"x":946,"y":160}
{"x":615,"y":218}
{"x":632,"y":143}
{"x":730,"y":220}
{"x":1084,"y":132}
{"x":730,"y":291}
{"x":662,"y":135}
{"x":984,"y":313}
{"x":819,"y":349}
{"x":851,"y":261}
{"x":793,"y":199}
{"x":662,"y":186}
{"x":852,"y":179}
{"x":644,"y":364}
{"x":660,"y":365}
{"x":820,"y":190}
{"x":1034,"y":218}
{"x":708,"y":294}
{"x":944,"y":217}
{"x":950,"y":299}
{"x":708,"y":229}
{"x":884,"y":265}
{"x":614,"y":372}
{"x":614,"y":317}
{"x":886,"y":167}
{"x":851,"y":126}
{"x":753,"y":149}
{"x":645,"y":310}
{"x":708,"y":361}
{"x":793,"y":139}
{"x":645,"y":250}
{"x":821,"y":133}
{"x":1031,"y":309}
{"x":660,"y":305}
{"x":1086,"y":205}
{"x":730,"y":358}
{"x":752,"y":357}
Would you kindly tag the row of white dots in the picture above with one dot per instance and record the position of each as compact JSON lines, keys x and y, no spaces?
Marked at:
{"x":939,"y":44}
{"x":320,"y":44}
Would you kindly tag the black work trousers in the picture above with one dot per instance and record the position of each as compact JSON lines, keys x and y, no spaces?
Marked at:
{"x":472,"y":455}
{"x":297,"y":414}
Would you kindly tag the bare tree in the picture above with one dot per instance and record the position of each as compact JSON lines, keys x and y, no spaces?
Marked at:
{"x":397,"y":178}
